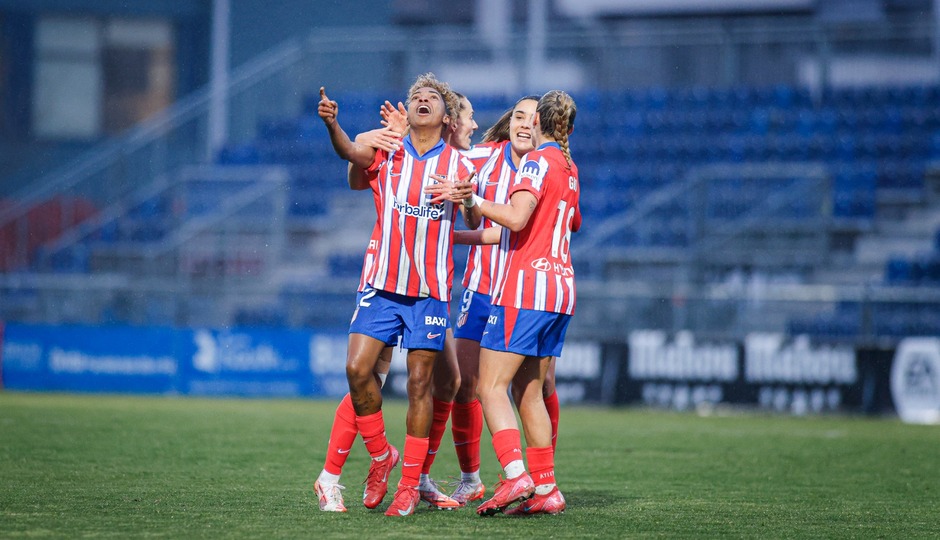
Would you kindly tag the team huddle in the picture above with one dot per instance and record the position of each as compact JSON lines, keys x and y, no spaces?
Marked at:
{"x":518,"y":195}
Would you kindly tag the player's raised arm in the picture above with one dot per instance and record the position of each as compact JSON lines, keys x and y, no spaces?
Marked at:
{"x":387,"y":138}
{"x":358,"y":154}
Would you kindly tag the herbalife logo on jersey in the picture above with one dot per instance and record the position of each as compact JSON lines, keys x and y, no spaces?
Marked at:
{"x":433,"y":211}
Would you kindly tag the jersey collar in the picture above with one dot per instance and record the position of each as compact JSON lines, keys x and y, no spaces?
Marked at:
{"x":434,"y":151}
{"x":548,"y":144}
{"x":507,"y":156}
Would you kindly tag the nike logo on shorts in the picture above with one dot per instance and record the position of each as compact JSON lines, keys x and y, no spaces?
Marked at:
{"x":433,"y":336}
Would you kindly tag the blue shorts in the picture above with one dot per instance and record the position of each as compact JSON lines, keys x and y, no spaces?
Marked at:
{"x":474,"y":310}
{"x":359,"y":295}
{"x":421,"y":322}
{"x":526,"y":332}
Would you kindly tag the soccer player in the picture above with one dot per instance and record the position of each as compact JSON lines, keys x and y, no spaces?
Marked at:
{"x":410,"y":280}
{"x":344,"y":429}
{"x":458,"y":133}
{"x":533,"y":300}
{"x":508,"y":139}
{"x":446,"y":376}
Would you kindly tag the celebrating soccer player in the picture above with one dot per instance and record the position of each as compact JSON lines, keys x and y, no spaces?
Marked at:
{"x":410,"y":279}
{"x":533,"y":300}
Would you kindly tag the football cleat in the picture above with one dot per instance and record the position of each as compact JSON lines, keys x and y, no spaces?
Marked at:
{"x":468,"y":491}
{"x":507,"y":492}
{"x":552,"y":502}
{"x":431,"y":493}
{"x":377,"y":480}
{"x":331,"y":497}
{"x":404,"y":503}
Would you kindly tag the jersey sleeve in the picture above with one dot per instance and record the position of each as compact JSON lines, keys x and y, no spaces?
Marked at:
{"x":377,"y":161}
{"x":530,"y":176}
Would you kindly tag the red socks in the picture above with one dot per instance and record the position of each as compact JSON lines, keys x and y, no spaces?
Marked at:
{"x":342,"y":436}
{"x":508,"y":446}
{"x":372,"y":428}
{"x":466,"y":427}
{"x":438,"y":426}
{"x":416,"y":449}
{"x":551,"y":404}
{"x":541,"y":465}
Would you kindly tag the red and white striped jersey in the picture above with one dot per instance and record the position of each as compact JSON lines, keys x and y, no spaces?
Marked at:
{"x":494,"y":176}
{"x":373,"y":248}
{"x":537,"y":273}
{"x":479,"y":153}
{"x":415,"y":248}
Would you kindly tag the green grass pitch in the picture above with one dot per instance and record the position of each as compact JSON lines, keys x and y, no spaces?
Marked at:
{"x":92,"y":466}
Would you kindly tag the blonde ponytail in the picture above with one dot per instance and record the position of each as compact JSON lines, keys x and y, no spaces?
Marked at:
{"x":557,"y":111}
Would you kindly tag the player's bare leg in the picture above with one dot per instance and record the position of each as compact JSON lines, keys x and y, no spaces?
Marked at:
{"x":364,"y":389}
{"x":497,"y":370}
{"x":540,"y":456}
{"x":445,"y":382}
{"x":418,"y":425}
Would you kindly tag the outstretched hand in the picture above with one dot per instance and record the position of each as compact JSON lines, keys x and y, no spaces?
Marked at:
{"x":395,"y":119}
{"x":327,"y":109}
{"x":455,"y":191}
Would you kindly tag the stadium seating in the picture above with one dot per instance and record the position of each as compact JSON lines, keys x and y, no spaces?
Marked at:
{"x":633,"y":141}
{"x":629,"y":144}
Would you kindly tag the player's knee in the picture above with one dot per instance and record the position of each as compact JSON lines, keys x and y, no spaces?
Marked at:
{"x":446,"y":390}
{"x":358,"y":374}
{"x":418,"y":386}
{"x":467,"y":391}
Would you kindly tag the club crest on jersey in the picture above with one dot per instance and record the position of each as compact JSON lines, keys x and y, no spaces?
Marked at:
{"x":433,"y":211}
{"x":530,"y":170}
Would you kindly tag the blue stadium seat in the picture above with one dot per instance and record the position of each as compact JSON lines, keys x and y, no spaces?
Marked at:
{"x":243,"y":154}
{"x":898,"y":271}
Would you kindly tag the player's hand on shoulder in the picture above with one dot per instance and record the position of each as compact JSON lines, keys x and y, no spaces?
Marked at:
{"x":381,"y":139}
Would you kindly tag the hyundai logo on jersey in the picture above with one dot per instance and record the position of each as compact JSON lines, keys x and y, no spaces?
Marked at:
{"x":542,"y":265}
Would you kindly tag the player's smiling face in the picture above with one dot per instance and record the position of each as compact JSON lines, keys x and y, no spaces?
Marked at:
{"x":425,"y":108}
{"x":520,"y":127}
